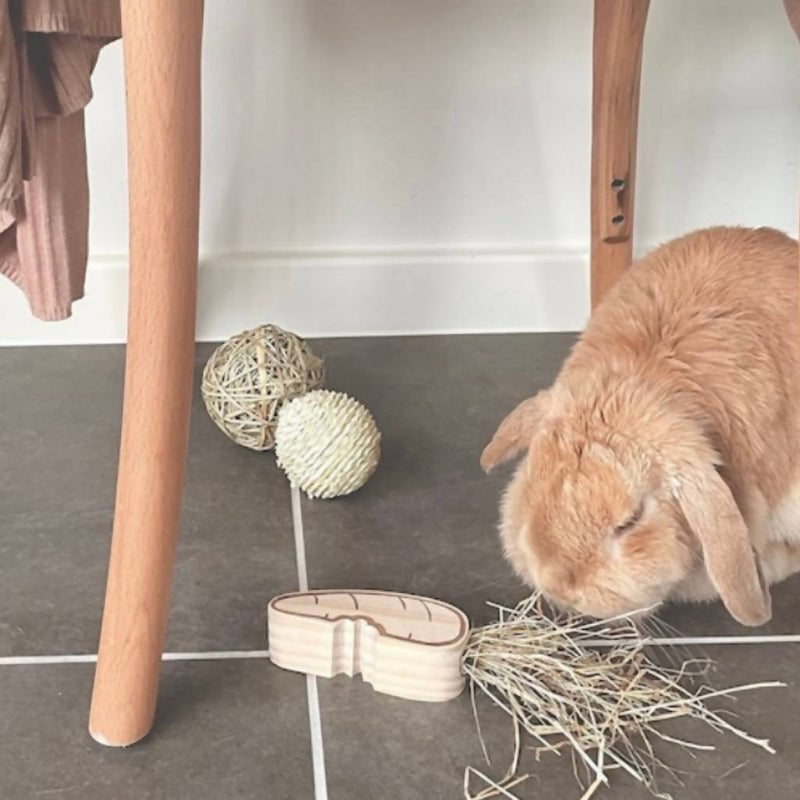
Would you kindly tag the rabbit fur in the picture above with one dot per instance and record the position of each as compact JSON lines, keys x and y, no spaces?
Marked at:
{"x":664,"y":462}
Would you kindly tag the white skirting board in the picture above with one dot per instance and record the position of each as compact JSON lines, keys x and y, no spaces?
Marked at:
{"x":326,"y":293}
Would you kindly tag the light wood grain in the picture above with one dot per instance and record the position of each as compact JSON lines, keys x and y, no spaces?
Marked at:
{"x":403,"y":645}
{"x":162,"y":42}
{"x":617,"y":62}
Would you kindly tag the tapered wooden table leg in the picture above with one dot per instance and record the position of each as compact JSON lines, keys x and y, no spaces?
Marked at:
{"x":162,"y":42}
{"x":616,"y":71}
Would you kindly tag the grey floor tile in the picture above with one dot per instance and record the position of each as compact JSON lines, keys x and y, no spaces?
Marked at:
{"x":425,"y":522}
{"x":233,"y":729}
{"x":769,"y":713}
{"x":711,"y":619}
{"x":378,"y":746}
{"x":59,"y":432}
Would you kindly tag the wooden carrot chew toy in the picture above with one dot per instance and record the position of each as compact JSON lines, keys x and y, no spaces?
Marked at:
{"x":568,"y":682}
{"x":403,"y":645}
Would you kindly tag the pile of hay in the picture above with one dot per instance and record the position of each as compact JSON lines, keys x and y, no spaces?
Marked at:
{"x":590,"y":687}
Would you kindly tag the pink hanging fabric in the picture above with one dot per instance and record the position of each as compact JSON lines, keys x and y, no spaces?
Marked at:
{"x":48,"y":50}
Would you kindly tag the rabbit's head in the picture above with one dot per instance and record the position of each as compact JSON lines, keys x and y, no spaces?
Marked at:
{"x":618,"y":501}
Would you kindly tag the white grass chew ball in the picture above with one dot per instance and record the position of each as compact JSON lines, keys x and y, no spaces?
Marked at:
{"x":327,"y":443}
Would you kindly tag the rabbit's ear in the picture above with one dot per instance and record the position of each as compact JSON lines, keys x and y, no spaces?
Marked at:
{"x":515,"y":431}
{"x":731,"y":562}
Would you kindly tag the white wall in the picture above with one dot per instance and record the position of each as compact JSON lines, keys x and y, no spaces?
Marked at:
{"x":377,"y":166}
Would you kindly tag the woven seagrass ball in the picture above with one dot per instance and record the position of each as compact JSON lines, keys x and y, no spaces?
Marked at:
{"x":327,"y":443}
{"x":250,"y":376}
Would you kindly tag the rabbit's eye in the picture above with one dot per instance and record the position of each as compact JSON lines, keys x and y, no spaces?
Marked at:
{"x":629,"y":523}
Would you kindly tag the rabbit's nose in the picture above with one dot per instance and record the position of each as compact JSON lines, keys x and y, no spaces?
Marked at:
{"x":559,"y":579}
{"x":561,"y":583}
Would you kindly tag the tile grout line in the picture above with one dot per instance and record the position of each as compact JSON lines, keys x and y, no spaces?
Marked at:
{"x":785,"y":638}
{"x":232,"y":655}
{"x":91,"y":658}
{"x":314,"y":717}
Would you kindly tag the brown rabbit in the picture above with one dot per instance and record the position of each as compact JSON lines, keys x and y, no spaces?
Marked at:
{"x":665,"y":460}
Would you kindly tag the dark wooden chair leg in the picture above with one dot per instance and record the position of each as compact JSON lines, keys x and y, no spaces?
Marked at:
{"x":617,"y":66}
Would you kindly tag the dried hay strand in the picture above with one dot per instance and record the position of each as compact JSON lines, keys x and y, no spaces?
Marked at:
{"x":589,"y":687}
